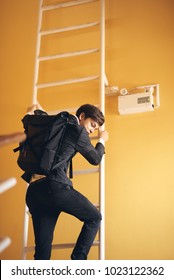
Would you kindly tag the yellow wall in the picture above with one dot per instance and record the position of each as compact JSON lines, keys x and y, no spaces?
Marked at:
{"x":139,"y":153}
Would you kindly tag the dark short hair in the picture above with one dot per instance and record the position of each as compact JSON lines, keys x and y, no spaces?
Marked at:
{"x":92,"y":112}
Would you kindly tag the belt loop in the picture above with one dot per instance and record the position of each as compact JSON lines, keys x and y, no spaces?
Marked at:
{"x":71,"y":169}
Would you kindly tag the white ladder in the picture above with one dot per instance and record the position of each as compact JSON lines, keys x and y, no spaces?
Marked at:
{"x":102,"y":79}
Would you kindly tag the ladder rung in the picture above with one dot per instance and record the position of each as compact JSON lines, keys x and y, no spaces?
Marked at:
{"x":69,"y":28}
{"x":69,"y":54}
{"x":70,"y":110}
{"x":70,"y":245}
{"x":86,"y":171}
{"x":59,"y":246}
{"x":94,"y":137}
{"x":67,"y":82}
{"x":66,"y":4}
{"x":97,"y":205}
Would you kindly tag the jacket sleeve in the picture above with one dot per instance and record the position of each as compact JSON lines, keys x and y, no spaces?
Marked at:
{"x":84,"y":146}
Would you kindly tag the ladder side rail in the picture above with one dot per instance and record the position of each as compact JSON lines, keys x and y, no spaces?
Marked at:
{"x":102,"y":107}
{"x":34,"y":101}
{"x":25,"y":234}
{"x":38,"y":43}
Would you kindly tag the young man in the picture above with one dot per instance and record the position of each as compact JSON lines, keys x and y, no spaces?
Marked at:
{"x":48,"y":197}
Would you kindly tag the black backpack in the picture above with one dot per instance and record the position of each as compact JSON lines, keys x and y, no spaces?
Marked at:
{"x":37,"y":154}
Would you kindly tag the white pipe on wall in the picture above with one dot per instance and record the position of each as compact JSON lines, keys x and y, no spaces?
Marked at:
{"x":102,"y":107}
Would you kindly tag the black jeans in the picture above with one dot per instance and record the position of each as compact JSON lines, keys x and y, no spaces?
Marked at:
{"x":46,"y":199}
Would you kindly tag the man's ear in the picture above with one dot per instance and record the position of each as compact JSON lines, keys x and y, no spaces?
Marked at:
{"x":82,"y":116}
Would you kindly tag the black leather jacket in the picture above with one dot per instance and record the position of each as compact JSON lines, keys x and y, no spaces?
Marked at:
{"x":76,"y":139}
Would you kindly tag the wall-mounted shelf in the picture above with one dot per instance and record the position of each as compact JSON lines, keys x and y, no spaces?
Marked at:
{"x":10,"y":182}
{"x":4,"y":243}
{"x":7,"y":184}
